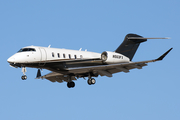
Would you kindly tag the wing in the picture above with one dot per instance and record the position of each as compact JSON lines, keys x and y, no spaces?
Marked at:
{"x":103,"y":70}
{"x":108,"y":70}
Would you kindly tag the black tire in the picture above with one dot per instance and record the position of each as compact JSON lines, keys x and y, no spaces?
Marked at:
{"x":70,"y":84}
{"x":89,"y":82}
{"x":24,"y":77}
{"x":93,"y":81}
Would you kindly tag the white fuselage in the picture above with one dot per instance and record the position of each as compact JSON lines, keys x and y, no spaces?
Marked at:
{"x":35,"y":54}
{"x":43,"y":54}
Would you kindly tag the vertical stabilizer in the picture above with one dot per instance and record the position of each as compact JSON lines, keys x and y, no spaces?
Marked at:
{"x":130,"y":45}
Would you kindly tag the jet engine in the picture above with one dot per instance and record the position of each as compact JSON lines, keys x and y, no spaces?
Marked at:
{"x":113,"y":57}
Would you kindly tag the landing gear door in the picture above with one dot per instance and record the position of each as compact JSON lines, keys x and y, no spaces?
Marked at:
{"x":43,"y":56}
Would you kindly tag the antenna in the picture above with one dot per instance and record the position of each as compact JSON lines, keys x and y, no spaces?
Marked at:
{"x":80,"y":49}
{"x":49,"y":46}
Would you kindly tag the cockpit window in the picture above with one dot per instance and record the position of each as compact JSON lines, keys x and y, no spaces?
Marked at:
{"x":26,"y":49}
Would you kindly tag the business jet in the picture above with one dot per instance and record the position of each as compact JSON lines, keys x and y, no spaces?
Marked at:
{"x":69,"y":65}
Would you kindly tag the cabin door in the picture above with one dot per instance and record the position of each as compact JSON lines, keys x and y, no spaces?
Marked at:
{"x":43,"y":56}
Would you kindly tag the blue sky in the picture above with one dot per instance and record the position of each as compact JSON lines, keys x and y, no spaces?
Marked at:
{"x":95,"y":25}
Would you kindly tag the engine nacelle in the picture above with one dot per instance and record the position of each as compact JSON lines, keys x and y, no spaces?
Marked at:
{"x":113,"y":57}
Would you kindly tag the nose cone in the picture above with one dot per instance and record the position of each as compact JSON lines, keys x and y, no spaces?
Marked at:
{"x":11,"y":60}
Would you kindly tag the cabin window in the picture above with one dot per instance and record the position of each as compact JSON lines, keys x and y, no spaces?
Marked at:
{"x":58,"y":55}
{"x":69,"y":56}
{"x":52,"y":54}
{"x":64,"y":55}
{"x":75,"y":56}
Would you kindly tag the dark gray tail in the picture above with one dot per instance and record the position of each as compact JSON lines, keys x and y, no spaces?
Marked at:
{"x":130,"y":45}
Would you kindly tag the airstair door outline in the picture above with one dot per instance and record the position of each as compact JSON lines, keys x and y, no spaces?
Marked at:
{"x":43,"y":57}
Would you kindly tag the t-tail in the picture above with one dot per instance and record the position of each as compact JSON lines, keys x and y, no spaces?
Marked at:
{"x":130,"y":45}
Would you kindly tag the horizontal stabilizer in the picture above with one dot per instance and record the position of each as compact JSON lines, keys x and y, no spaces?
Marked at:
{"x":141,"y":38}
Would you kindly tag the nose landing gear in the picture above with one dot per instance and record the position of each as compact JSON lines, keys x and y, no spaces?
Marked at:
{"x":24,"y":77}
{"x":70,"y":83}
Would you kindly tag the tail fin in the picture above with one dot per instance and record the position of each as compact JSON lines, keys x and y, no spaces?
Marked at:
{"x":130,"y":45}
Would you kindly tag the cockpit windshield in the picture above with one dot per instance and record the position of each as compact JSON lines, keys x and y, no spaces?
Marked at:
{"x":27,"y":49}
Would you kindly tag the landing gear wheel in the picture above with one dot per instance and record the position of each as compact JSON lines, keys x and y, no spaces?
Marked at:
{"x":91,"y":81}
{"x":24,"y":77}
{"x":70,"y":84}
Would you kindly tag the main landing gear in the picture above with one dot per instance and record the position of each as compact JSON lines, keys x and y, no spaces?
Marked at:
{"x":70,"y":83}
{"x":91,"y":81}
{"x":24,"y":77}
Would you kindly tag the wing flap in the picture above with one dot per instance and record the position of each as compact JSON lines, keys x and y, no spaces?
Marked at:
{"x":105,"y":73}
{"x":125,"y":67}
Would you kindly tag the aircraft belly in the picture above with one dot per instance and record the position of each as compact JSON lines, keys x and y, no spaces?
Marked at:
{"x":73,"y":65}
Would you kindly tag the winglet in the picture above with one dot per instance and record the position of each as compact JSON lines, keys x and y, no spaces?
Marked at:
{"x":162,"y":56}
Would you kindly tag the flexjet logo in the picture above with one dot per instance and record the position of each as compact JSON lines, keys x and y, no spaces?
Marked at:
{"x":118,"y":56}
